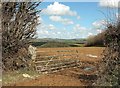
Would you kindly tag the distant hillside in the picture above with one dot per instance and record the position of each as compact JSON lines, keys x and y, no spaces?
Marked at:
{"x":59,"y":40}
{"x":55,"y":44}
{"x":49,"y":42}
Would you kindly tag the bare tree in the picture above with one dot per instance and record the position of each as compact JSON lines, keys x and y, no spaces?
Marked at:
{"x":19,"y":21}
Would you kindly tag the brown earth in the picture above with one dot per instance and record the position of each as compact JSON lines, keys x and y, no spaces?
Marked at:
{"x":68,"y":76}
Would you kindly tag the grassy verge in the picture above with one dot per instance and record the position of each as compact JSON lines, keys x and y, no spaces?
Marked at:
{"x":12,"y":77}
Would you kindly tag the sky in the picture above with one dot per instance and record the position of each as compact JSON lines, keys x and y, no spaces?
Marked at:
{"x":73,"y":20}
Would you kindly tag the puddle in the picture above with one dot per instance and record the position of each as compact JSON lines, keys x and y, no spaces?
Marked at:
{"x":88,"y":68}
{"x":88,"y":76}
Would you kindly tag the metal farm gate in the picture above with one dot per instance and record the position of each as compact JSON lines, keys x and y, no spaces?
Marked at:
{"x":49,"y":64}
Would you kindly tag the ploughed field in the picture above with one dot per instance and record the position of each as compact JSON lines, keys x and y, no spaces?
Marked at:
{"x":79,"y":53}
{"x":70,"y":66}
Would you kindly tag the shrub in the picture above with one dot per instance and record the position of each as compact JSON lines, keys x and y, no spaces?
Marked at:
{"x":108,"y":71}
{"x":19,"y":21}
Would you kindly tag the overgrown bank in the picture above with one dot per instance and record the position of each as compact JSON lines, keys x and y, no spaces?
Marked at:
{"x":108,"y":71}
{"x":19,"y":21}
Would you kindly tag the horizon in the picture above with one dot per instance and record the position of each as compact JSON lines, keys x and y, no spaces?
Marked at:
{"x":61,"y":38}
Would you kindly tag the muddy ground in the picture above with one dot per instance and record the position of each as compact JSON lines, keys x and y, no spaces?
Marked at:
{"x":85,"y":75}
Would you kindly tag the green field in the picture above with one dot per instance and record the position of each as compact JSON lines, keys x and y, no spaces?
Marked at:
{"x":44,"y":43}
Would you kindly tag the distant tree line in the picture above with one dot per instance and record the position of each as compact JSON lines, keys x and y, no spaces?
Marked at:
{"x":96,"y":40}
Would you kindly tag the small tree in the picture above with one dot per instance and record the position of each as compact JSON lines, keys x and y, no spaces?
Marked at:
{"x":19,"y":21}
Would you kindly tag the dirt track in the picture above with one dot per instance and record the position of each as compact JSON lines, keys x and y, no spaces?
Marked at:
{"x":71,"y":76}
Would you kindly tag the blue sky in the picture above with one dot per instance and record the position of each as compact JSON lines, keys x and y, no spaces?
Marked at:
{"x":70,"y":20}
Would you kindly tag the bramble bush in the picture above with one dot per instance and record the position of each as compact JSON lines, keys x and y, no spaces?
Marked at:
{"x":19,"y":21}
{"x":109,"y":68}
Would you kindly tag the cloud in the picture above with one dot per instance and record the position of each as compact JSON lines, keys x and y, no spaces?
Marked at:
{"x":58,"y":32}
{"x":52,"y":27}
{"x":60,"y":19}
{"x":99,"y":24}
{"x":46,"y":27}
{"x":90,"y":34}
{"x":40,"y":20}
{"x":78,"y":17}
{"x":45,"y":32}
{"x":42,"y":32}
{"x":76,"y":32}
{"x":99,"y":31}
{"x":59,"y":9}
{"x":110,"y":3}
{"x":77,"y":27}
{"x":80,"y":31}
